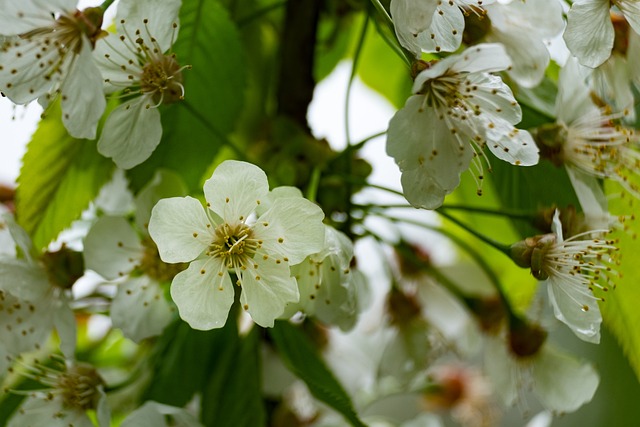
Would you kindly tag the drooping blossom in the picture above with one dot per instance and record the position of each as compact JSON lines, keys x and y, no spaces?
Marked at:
{"x":457,"y":109}
{"x":138,"y":62}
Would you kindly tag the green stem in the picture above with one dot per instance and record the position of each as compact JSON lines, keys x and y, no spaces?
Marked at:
{"x":259,"y":13}
{"x":105,"y":4}
{"x":354,"y":70}
{"x":475,"y":255}
{"x":388,"y":33}
{"x":527,"y":216}
{"x":314,"y":182}
{"x":223,"y":138}
{"x":506,"y":249}
{"x":358,"y":145}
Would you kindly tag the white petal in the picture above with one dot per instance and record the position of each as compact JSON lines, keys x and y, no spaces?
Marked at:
{"x":540,"y":19}
{"x":562,"y":383}
{"x":180,"y":228}
{"x":24,"y":325}
{"x":410,"y":18}
{"x":591,"y":196}
{"x":23,"y":280}
{"x":40,"y":411}
{"x":235,"y":190}
{"x":502,"y":370}
{"x":65,"y":323}
{"x":530,"y":57}
{"x":159,"y":14}
{"x":17,"y":17}
{"x":492,"y":97}
{"x":507,"y":143}
{"x":103,"y":412}
{"x":573,"y":100}
{"x":131,"y":133}
{"x":589,"y":34}
{"x":445,"y":32}
{"x":429,"y":156}
{"x":568,"y":299}
{"x":282,"y":192}
{"x":267,"y":287}
{"x":631,"y":11}
{"x":82,"y":97}
{"x":611,"y":81}
{"x":21,"y":238}
{"x":112,"y":248}
{"x":153,"y":414}
{"x":22,"y":77}
{"x":203,"y":299}
{"x":484,"y":57}
{"x":292,"y":227}
{"x":140,"y":308}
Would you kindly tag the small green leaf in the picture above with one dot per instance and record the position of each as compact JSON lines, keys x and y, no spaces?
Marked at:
{"x":194,"y":129}
{"x":60,"y":176}
{"x":232,"y":397}
{"x":302,"y":358}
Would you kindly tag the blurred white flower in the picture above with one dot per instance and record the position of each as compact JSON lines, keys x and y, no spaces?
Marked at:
{"x":115,"y":249}
{"x":590,"y":34}
{"x":522,"y":27}
{"x":153,"y":414}
{"x":329,"y":289}
{"x":70,"y":390}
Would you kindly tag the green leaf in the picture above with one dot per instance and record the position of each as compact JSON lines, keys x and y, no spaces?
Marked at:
{"x":183,"y":360}
{"x":195,"y":129}
{"x":60,"y":176}
{"x":232,"y":397}
{"x":394,"y":83}
{"x":302,"y":358}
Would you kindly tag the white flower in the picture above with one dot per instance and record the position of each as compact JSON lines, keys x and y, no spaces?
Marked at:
{"x":231,"y":236}
{"x":31,"y":304}
{"x":522,"y":28}
{"x":153,"y":414}
{"x":590,"y":142}
{"x":590,"y":35}
{"x":560,"y":382}
{"x":328,"y":288}
{"x":137,"y":62}
{"x":71,"y":390}
{"x":432,"y":26}
{"x":459,"y":108}
{"x":115,"y":249}
{"x":572,"y":269}
{"x":49,"y":50}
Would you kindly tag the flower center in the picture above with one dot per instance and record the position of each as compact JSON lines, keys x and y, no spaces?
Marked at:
{"x":162,"y":76}
{"x":154,"y":267}
{"x":79,"y":387}
{"x":233,"y":244}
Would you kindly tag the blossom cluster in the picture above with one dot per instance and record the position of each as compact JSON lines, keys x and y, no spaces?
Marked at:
{"x":256,"y":265}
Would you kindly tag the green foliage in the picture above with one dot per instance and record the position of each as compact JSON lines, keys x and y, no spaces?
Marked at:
{"x":60,"y":176}
{"x":183,"y":360}
{"x":195,"y":129}
{"x":232,"y":396}
{"x":302,"y":358}
{"x":383,"y":70}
